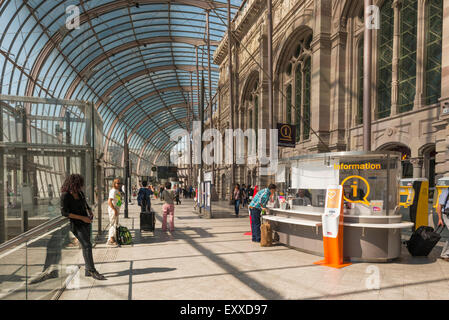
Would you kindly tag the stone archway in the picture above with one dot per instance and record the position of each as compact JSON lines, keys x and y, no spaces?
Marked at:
{"x":407,"y":167}
{"x":428,"y":153}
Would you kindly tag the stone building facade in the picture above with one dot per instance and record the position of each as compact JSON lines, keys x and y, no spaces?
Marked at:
{"x":318,"y":80}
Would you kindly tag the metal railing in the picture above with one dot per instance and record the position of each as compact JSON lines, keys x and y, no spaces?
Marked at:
{"x":35,"y":232}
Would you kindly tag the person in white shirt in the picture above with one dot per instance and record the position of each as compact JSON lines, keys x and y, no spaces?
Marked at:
{"x":114,"y":204}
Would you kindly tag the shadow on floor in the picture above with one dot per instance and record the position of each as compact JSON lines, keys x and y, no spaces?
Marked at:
{"x":407,"y":258}
{"x":136,"y":272}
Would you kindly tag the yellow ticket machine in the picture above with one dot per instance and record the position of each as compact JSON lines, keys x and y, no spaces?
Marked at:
{"x":440,"y":185}
{"x":414,"y":195}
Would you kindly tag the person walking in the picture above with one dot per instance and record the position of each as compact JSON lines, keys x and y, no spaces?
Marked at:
{"x":249,"y":193}
{"x":144,"y":197}
{"x":114,"y":204}
{"x":244,"y":196}
{"x":256,"y":206}
{"x":74,"y":206}
{"x":236,"y":197}
{"x":177,"y":194}
{"x":168,"y":208}
{"x":161,"y":188}
{"x":443,"y":219}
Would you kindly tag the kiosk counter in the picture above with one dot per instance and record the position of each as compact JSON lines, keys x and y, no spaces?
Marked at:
{"x":372,"y":223}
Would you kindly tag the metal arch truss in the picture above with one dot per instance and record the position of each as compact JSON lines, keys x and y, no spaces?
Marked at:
{"x":56,"y":67}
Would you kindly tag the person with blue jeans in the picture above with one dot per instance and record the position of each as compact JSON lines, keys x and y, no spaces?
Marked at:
{"x":258,"y":203}
{"x":237,"y":197}
{"x":443,"y":219}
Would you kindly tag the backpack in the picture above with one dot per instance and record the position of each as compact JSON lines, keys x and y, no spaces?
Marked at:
{"x":124,"y":236}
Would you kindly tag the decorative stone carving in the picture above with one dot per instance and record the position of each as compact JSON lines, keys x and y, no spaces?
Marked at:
{"x":390,"y":132}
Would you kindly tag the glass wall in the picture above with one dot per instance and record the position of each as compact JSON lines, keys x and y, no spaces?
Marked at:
{"x":370,"y":182}
{"x":41,"y":265}
{"x":42,"y":142}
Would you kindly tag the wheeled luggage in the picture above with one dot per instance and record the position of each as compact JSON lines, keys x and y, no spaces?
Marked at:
{"x":147,"y":220}
{"x":266,"y":235}
{"x":423,"y":240}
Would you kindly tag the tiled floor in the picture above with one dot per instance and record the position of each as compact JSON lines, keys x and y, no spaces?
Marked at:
{"x":213,"y":259}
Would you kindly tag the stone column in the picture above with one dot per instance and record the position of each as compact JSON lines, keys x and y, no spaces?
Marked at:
{"x":445,"y":57}
{"x":417,"y":166}
{"x":263,"y":113}
{"x":338,"y":74}
{"x":236,"y":70}
{"x":320,"y":90}
{"x":442,"y":124}
{"x":396,"y":53}
{"x":420,"y":55}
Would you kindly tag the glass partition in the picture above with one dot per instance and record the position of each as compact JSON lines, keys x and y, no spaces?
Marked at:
{"x":370,"y":182}
{"x":39,"y":267}
{"x":42,"y":141}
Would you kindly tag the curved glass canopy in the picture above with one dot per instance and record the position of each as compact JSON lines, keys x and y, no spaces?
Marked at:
{"x":140,"y":62}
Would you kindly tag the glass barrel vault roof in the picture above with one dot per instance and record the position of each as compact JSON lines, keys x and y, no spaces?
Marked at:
{"x":136,"y":60}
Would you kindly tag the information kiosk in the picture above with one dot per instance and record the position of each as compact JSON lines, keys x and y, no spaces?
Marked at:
{"x":370,"y":182}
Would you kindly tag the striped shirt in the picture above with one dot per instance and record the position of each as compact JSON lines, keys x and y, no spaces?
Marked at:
{"x":261,"y":199}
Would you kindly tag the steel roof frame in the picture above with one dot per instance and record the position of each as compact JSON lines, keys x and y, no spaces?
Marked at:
{"x":86,"y":17}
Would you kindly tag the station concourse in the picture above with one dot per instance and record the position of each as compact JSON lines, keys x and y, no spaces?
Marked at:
{"x":221,"y":99}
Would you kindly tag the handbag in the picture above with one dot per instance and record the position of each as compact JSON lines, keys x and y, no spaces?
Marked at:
{"x":86,"y":206}
{"x":232,"y":200}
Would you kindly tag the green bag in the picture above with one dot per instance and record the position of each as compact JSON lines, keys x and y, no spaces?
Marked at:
{"x":124,"y":236}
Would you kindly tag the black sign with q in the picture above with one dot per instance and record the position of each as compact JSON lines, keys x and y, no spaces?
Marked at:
{"x":286,"y":135}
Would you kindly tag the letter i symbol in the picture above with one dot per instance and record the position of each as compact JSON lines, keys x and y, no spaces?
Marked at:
{"x":354,"y":189}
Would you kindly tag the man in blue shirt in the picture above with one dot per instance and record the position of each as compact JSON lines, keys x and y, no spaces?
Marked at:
{"x":443,"y":218}
{"x":255,"y":207}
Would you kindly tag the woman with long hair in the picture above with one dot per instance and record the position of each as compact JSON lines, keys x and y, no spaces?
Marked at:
{"x":74,"y":206}
{"x":237,"y":198}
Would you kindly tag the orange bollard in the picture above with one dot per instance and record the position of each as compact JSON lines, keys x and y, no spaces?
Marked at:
{"x":333,"y":229}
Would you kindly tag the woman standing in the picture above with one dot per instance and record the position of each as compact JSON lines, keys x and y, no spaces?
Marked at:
{"x":168,"y":208}
{"x":74,"y":206}
{"x":237,"y":197}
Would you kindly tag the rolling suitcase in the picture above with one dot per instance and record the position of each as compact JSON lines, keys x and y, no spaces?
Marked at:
{"x":147,"y":220}
{"x":423,"y":240}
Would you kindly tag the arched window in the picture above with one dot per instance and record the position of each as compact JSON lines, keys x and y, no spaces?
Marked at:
{"x":385,"y":57}
{"x":253,"y":111}
{"x":360,"y":82}
{"x":256,"y":117}
{"x":306,"y":104}
{"x":407,"y":60}
{"x":289,"y":104}
{"x":297,"y":82}
{"x":250,"y":126}
{"x":298,"y":102}
{"x":434,"y":50}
